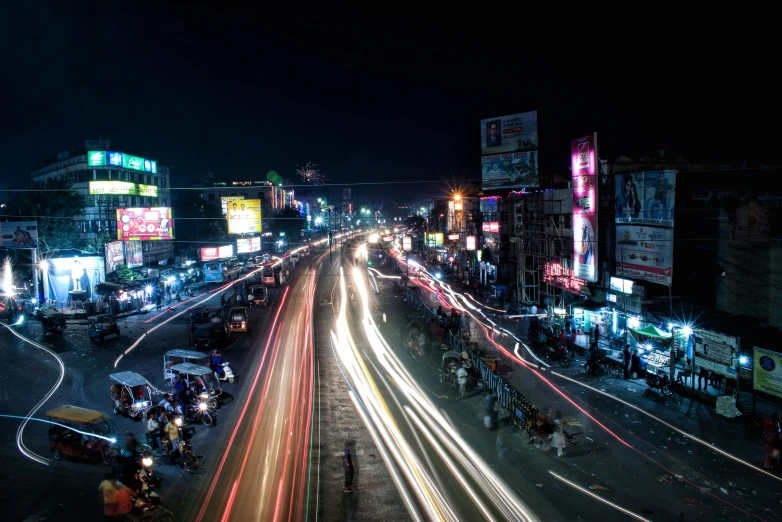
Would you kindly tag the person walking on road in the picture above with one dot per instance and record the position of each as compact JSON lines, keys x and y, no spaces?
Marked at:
{"x":461,"y":378}
{"x":558,"y":437}
{"x":347,"y":465}
{"x":491,"y":408}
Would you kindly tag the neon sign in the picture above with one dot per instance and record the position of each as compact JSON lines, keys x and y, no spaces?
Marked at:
{"x":556,"y":275}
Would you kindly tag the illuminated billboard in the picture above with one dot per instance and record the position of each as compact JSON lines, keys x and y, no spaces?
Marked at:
{"x":434,"y":239}
{"x":645,"y":253}
{"x":115,"y":255}
{"x":469,"y":242}
{"x":134,"y":254}
{"x":767,"y":371}
{"x":226,"y":200}
{"x":491,"y":226}
{"x":19,"y":234}
{"x":646,"y":198}
{"x":583,"y":156}
{"x":511,"y":170}
{"x":213,"y":253}
{"x":122,"y":188}
{"x":453,"y":237}
{"x":244,"y":216}
{"x":407,"y":243}
{"x":512,"y":133}
{"x":134,"y":224}
{"x":248,"y":245}
{"x":101,"y":158}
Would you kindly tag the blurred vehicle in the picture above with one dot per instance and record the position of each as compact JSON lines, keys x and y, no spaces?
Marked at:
{"x":238,"y":319}
{"x":221,"y":271}
{"x":99,"y":326}
{"x":130,"y":394}
{"x":211,"y":335}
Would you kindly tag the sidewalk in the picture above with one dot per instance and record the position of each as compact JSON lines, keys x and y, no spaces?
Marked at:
{"x":697,"y":417}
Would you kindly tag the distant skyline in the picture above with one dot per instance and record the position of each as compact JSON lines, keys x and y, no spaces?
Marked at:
{"x":238,"y":94}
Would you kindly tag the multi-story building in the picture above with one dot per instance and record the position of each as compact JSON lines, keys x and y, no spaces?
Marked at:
{"x":111,"y":180}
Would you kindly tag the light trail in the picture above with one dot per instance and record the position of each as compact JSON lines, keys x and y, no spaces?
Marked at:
{"x":20,"y":431}
{"x":71,"y":428}
{"x":599,"y":498}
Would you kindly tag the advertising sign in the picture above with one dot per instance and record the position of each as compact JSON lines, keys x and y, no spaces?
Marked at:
{"x":623,"y":286}
{"x":135,"y":224}
{"x":213,"y":253}
{"x":115,"y":159}
{"x":96,"y":158}
{"x":767,"y":371}
{"x":469,"y":242}
{"x":132,"y":162}
{"x":512,"y":133}
{"x":583,"y":157}
{"x":134,"y":254}
{"x":248,"y":245}
{"x":491,"y":226}
{"x":453,"y":237}
{"x":388,"y":239}
{"x":407,"y":243}
{"x":122,"y":188}
{"x":75,"y":277}
{"x":562,"y":277}
{"x":19,"y":234}
{"x":645,"y":253}
{"x":150,"y":166}
{"x":716,"y":352}
{"x":434,"y":239}
{"x":244,"y":216}
{"x":115,"y":255}
{"x":646,"y":198}
{"x":511,"y":170}
{"x":225,"y":200}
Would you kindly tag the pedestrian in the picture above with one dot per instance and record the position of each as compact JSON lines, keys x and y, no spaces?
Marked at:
{"x":769,"y":444}
{"x":461,"y":378}
{"x":703,"y":374}
{"x":153,"y":430}
{"x":491,"y":410}
{"x":109,"y":490}
{"x":347,"y":465}
{"x":686,"y":373}
{"x":558,"y":437}
{"x":626,"y":357}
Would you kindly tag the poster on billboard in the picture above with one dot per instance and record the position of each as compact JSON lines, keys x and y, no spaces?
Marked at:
{"x":134,"y":224}
{"x":75,"y":276}
{"x":407,"y":243}
{"x":434,"y":239}
{"x":490,"y":226}
{"x":716,"y":352}
{"x":512,"y":170}
{"x":244,"y":216}
{"x":115,"y":255}
{"x":583,"y":157}
{"x":122,"y":188}
{"x":248,"y":245}
{"x":225,"y":200}
{"x":19,"y":234}
{"x":767,"y":371}
{"x":214,"y":253}
{"x":469,"y":242}
{"x":512,"y":133}
{"x":134,"y":255}
{"x":645,"y":253}
{"x":646,"y":198}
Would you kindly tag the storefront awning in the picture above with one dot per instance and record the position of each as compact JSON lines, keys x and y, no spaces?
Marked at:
{"x":652,"y":331}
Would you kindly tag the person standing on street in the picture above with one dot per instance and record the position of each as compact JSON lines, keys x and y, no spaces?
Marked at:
{"x":109,"y":490}
{"x":461,"y":378}
{"x":558,"y":437}
{"x":347,"y":465}
{"x":770,"y":443}
{"x":490,"y":410}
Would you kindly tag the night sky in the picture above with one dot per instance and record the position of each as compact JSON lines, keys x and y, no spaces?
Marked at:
{"x":239,"y":92}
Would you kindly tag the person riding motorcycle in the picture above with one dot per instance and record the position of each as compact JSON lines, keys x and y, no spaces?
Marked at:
{"x":217,"y":363}
{"x":222,"y":300}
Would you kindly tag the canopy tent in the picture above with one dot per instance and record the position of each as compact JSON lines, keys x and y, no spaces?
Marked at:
{"x":652,"y":331}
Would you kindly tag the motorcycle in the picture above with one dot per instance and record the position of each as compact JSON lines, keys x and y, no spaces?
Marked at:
{"x":199,"y":412}
{"x":659,"y":381}
{"x":228,"y":374}
{"x":559,"y":355}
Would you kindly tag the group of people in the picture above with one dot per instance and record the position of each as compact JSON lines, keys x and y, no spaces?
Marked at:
{"x":130,"y":485}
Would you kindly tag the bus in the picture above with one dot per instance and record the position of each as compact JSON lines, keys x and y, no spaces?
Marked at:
{"x":221,"y":271}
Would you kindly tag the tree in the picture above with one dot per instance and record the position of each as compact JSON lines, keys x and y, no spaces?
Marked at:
{"x":123,"y":274}
{"x":55,"y":205}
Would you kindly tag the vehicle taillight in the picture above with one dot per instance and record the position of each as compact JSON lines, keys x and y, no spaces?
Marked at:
{"x":244,"y":325}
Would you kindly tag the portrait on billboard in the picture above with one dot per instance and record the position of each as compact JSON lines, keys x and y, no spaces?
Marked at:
{"x":493,"y":136}
{"x":19,"y":234}
{"x":244,"y":216}
{"x":646,"y":198}
{"x":511,"y":133}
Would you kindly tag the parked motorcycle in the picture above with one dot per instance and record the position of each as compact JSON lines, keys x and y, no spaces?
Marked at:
{"x":560,"y":356}
{"x":659,"y":381}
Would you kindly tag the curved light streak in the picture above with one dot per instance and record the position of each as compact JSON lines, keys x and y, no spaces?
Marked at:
{"x":71,"y":428}
{"x":20,"y":431}
{"x":599,"y":498}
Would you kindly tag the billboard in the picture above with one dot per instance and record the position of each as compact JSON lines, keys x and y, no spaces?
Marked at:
{"x":213,"y":253}
{"x":716,"y":352}
{"x":512,"y":133}
{"x":583,"y":157}
{"x":74,"y":276}
{"x":153,"y":223}
{"x":490,"y":226}
{"x":646,"y":198}
{"x":134,"y":255}
{"x":96,"y":158}
{"x":244,"y":216}
{"x":248,"y":245}
{"x":225,"y":200}
{"x":767,"y":371}
{"x":469,"y":242}
{"x":645,"y":253}
{"x":434,"y":239}
{"x":115,"y":255}
{"x":511,"y":170}
{"x":453,"y":237}
{"x":101,"y":158}
{"x":19,"y":234}
{"x":407,"y":243}
{"x":122,"y":188}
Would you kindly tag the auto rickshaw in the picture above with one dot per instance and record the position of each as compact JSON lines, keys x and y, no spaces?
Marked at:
{"x":64,"y":441}
{"x":102,"y":325}
{"x":238,"y":319}
{"x":202,"y":379}
{"x":174,"y":357}
{"x":211,"y":335}
{"x":130,"y":394}
{"x":258,"y":295}
{"x":53,"y":322}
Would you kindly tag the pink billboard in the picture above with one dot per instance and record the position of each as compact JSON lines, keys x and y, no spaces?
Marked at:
{"x":583,"y":154}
